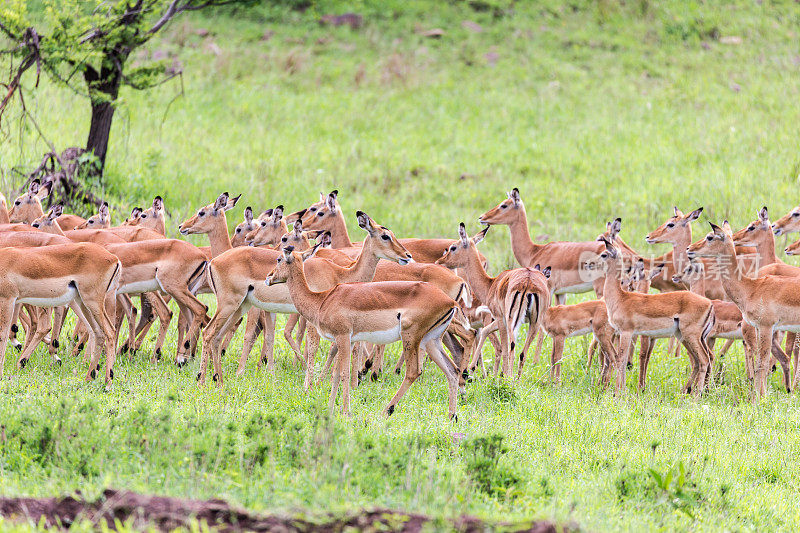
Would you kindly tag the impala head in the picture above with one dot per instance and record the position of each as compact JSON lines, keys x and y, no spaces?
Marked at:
{"x":677,"y":227}
{"x":458,"y":254}
{"x":135,"y":218}
{"x":385,"y":244}
{"x":322,"y":215}
{"x":269,"y":228}
{"x":639,"y":279}
{"x":101,"y":220}
{"x":788,"y":223}
{"x":28,"y":206}
{"x":793,"y":249}
{"x":47,"y":222}
{"x":208,"y":218}
{"x":154,"y":217}
{"x":506,"y":212}
{"x":297,"y":237}
{"x":756,"y":231}
{"x":693,"y":271}
{"x":297,"y":215}
{"x":718,"y":242}
{"x":243,"y":228}
{"x":287,"y":263}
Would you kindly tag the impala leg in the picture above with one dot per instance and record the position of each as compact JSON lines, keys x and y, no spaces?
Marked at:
{"x":146,"y":319}
{"x":268,"y":345}
{"x":531,"y":334}
{"x":493,"y":326}
{"x":608,"y":354}
{"x":15,"y":319}
{"x":312,"y":344}
{"x":590,"y":353}
{"x":332,"y":353}
{"x":762,"y":361}
{"x":6,"y":317}
{"x":700,"y":364}
{"x":42,"y":329}
{"x":31,"y":325}
{"x":434,"y":349}
{"x":124,"y":309}
{"x":59,"y":314}
{"x":162,"y":310}
{"x":341,"y":372}
{"x":783,"y":359}
{"x":227,"y":315}
{"x":294,"y":345}
{"x":555,"y":358}
{"x":645,"y":349}
{"x":621,"y":363}
{"x":252,"y":328}
{"x":501,"y":357}
{"x":411,"y":357}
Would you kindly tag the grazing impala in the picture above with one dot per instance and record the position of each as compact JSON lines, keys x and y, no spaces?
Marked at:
{"x":28,"y":207}
{"x":379,"y":312}
{"x":563,"y":258}
{"x":679,"y":313}
{"x":768,"y":303}
{"x":514,"y":296}
{"x":53,"y":276}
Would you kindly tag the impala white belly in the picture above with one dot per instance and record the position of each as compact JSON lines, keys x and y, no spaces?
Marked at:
{"x":791,"y":328}
{"x":271,"y":307}
{"x":656,"y":333}
{"x":735,"y":334}
{"x":579,"y":332}
{"x":575,"y":289}
{"x":385,"y":336}
{"x":138,"y":287}
{"x":56,"y":300}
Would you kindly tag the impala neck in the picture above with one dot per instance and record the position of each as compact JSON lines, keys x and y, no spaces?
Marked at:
{"x":340,"y":238}
{"x":4,"y":219}
{"x":363,"y":270}
{"x":735,"y":282}
{"x":679,"y":247}
{"x":306,"y":301}
{"x":612,"y":286}
{"x":766,"y":250}
{"x":521,"y":244}
{"x":697,"y":284}
{"x":55,"y":229}
{"x":479,"y":281}
{"x":218,"y":237}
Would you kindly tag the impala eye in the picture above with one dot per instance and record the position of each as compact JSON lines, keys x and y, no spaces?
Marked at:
{"x":201,"y":214}
{"x":263,"y":224}
{"x":503,"y":206}
{"x":238,"y":230}
{"x":750,"y":228}
{"x":671,"y":225}
{"x":321,"y":214}
{"x":312,"y":209}
{"x":709,"y":238}
{"x":144,"y":216}
{"x":278,"y":260}
{"x":453,"y":248}
{"x":17,"y":202}
{"x":796,"y":214}
{"x":385,"y":237}
{"x":284,"y":239}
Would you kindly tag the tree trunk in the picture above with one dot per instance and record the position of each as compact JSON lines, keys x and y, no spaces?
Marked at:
{"x":100,"y":130}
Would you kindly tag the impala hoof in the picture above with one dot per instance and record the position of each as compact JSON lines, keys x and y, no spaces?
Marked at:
{"x":397,"y":371}
{"x":93,"y":374}
{"x":111,"y":374}
{"x":374,"y":377}
{"x":454,"y":417}
{"x":774,"y":368}
{"x":58,"y":362}
{"x":390,"y":410}
{"x":14,"y":328}
{"x":223,"y":352}
{"x":22,"y":363}
{"x":56,"y":344}
{"x":216,"y":377}
{"x":158,"y":354}
{"x":197,"y":378}
{"x":368,"y":364}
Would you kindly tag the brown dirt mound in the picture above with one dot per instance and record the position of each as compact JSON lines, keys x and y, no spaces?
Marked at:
{"x":166,"y":514}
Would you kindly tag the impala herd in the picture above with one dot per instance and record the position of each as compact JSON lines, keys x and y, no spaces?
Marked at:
{"x":427,"y":293}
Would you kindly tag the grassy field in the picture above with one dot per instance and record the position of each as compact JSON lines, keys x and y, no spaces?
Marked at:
{"x":593,"y":109}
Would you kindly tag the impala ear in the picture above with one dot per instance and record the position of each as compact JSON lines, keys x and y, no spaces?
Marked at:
{"x":158,"y":203}
{"x":547,"y":270}
{"x":221,"y":202}
{"x":694,"y":215}
{"x":726,"y":227}
{"x":325,"y":239}
{"x":480,"y":235}
{"x":55,"y":211}
{"x":44,"y":190}
{"x":321,"y":197}
{"x":763,"y":215}
{"x":104,"y":213}
{"x":277,"y":214}
{"x":514,"y":195}
{"x":676,"y":212}
{"x":308,"y":254}
{"x":462,"y":234}
{"x":266,"y":214}
{"x":248,"y":214}
{"x":231,"y":203}
{"x":135,"y":213}
{"x":287,"y":252}
{"x":364,"y":222}
{"x":612,"y":252}
{"x":330,"y":201}
{"x":33,"y":188}
{"x":615,"y":227}
{"x":298,"y":227}
{"x":718,"y":231}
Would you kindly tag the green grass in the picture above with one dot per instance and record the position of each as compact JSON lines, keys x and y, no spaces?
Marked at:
{"x":593,"y":109}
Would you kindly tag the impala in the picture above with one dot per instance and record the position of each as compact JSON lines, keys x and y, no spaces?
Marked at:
{"x":379,"y":312}
{"x":101,"y":220}
{"x":28,"y":207}
{"x":563,"y":258}
{"x":4,"y":210}
{"x":688,"y":316}
{"x":237,"y":276}
{"x":53,"y":276}
{"x":768,"y":303}
{"x":514,"y":296}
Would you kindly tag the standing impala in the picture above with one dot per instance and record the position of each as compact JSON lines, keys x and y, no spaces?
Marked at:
{"x":563,"y":258}
{"x":379,"y":312}
{"x":53,"y":276}
{"x":688,"y":316}
{"x":514,"y":296}
{"x":768,"y":303}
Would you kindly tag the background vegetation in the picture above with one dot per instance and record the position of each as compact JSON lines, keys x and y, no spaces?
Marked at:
{"x":593,"y":109}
